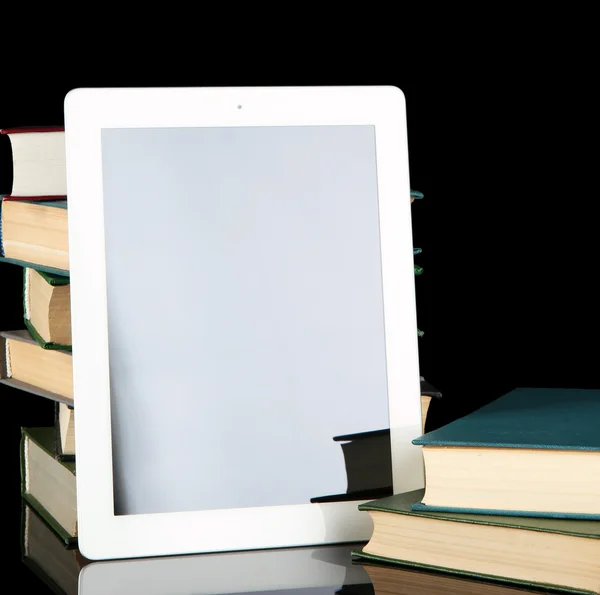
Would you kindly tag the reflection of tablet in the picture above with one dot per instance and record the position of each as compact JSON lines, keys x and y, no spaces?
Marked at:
{"x":242,"y":291}
{"x":325,"y":570}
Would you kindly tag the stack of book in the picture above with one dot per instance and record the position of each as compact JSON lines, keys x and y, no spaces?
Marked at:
{"x":37,"y":357}
{"x":512,"y":495}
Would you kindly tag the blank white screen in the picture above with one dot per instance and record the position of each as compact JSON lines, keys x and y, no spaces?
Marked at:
{"x":245,"y":312}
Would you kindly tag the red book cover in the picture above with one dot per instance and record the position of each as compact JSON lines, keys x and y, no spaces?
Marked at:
{"x":25,"y":130}
{"x":20,"y":129}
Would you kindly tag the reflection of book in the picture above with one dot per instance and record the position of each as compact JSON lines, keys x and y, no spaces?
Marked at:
{"x":39,"y":169}
{"x":291,"y":571}
{"x":47,"y":308}
{"x":48,"y":485}
{"x":24,"y":364}
{"x":35,"y":232}
{"x":46,"y":555}
{"x":395,"y":580}
{"x":368,"y":458}
{"x":539,"y":552}
{"x":531,"y":452}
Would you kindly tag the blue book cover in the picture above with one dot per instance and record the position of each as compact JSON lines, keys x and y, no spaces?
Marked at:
{"x":543,"y":419}
{"x":548,"y":418}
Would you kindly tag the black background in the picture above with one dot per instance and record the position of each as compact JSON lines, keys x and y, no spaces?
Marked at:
{"x":505,"y":156}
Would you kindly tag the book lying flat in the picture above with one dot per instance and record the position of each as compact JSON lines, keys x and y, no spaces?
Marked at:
{"x":33,"y":265}
{"x":25,"y":365}
{"x":533,"y":551}
{"x":48,"y":485}
{"x":35,"y":232}
{"x":531,"y":452}
{"x":38,"y":162}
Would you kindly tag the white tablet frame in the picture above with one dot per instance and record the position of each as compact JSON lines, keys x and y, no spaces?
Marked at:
{"x":102,"y":535}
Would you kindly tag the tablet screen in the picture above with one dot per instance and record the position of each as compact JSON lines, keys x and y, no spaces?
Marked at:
{"x":245,"y":314}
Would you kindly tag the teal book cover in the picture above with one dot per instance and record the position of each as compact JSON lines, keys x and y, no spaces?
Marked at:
{"x":532,"y":419}
{"x":547,"y":418}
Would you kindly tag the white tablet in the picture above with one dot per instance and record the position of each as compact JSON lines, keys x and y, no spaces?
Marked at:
{"x":242,"y":292}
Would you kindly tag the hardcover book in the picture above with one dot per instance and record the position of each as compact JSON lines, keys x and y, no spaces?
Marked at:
{"x":25,"y":365}
{"x":48,"y":485}
{"x":35,"y":232}
{"x":47,"y":308}
{"x":531,"y":452}
{"x":64,"y":424}
{"x":545,"y":553}
{"x":38,"y":163}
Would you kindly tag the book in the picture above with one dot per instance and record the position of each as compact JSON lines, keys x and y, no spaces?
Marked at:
{"x":33,"y":265}
{"x":533,"y":551}
{"x":38,"y":162}
{"x":48,"y":485}
{"x":428,"y":392}
{"x":47,"y":308}
{"x":390,"y":579}
{"x":35,"y":232}
{"x":532,"y":451}
{"x":64,"y":424}
{"x":54,"y":562}
{"x":24,"y":364}
{"x":415,"y":194}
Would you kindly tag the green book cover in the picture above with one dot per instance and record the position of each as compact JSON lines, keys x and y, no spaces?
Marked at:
{"x":402,"y":504}
{"x":44,"y":437}
{"x":59,"y":204}
{"x":546,"y":418}
{"x":38,"y":267}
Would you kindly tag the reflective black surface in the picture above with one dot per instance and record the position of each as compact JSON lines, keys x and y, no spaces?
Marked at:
{"x":508,"y":225}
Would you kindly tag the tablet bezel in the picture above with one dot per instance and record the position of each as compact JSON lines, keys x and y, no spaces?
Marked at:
{"x":102,"y":535}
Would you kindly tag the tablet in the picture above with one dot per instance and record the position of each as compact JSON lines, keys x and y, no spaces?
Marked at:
{"x":242,"y":292}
